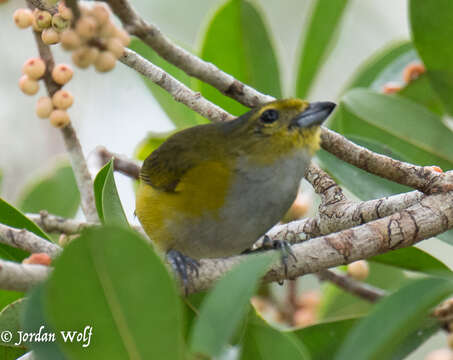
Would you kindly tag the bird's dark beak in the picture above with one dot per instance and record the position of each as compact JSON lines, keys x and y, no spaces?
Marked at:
{"x":314,"y":114}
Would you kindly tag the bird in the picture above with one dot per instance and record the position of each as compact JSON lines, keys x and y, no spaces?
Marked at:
{"x":213,"y":190}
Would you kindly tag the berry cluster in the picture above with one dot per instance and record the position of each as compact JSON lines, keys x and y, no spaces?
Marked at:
{"x":53,"y":108}
{"x":95,"y":40}
{"x":50,"y":26}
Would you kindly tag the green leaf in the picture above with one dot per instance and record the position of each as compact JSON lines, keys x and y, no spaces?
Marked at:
{"x":324,"y":339}
{"x":413,"y":259}
{"x":123,"y":290}
{"x":375,"y":71}
{"x":56,"y":192}
{"x":151,"y":143}
{"x":318,"y":40}
{"x":7,"y":297}
{"x":9,"y":353}
{"x":393,"y":319}
{"x":179,"y":114}
{"x":262,"y":341}
{"x":406,"y":127}
{"x":10,"y":216}
{"x":10,"y":321}
{"x":106,"y":197}
{"x":35,"y":319}
{"x":227,"y":304}
{"x":421,"y":92}
{"x":432,"y":30}
{"x":238,"y":42}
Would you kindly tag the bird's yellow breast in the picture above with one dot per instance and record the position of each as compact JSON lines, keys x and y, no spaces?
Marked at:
{"x":202,"y":189}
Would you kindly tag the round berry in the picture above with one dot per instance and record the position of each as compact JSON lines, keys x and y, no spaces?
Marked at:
{"x":59,"y":23}
{"x":412,"y":72}
{"x":115,"y":46}
{"x":359,"y":270}
{"x":44,"y":107}
{"x":105,"y":61}
{"x":85,"y":56}
{"x":28,"y":86}
{"x":59,"y":118}
{"x":107,"y":30}
{"x":123,"y":36}
{"x":86,"y":27}
{"x":70,"y":40}
{"x":100,"y":12}
{"x":62,"y":73}
{"x":34,"y":68}
{"x":43,"y":19}
{"x":65,"y":12}
{"x":62,"y":99}
{"x":49,"y":36}
{"x":391,"y":88}
{"x":23,"y":18}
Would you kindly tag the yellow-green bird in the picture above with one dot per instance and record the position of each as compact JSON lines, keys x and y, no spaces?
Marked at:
{"x":212,"y":190}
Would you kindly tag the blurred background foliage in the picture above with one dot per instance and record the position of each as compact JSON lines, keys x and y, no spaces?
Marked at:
{"x":360,"y":53}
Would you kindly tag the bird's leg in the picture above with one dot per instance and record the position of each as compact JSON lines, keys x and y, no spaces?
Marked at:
{"x":281,"y":245}
{"x":182,"y":265}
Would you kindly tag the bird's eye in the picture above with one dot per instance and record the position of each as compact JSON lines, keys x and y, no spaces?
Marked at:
{"x":269,"y":116}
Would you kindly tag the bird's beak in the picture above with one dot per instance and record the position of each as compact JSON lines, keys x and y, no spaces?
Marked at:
{"x":314,"y":114}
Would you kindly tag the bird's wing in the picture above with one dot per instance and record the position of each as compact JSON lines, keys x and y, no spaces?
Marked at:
{"x":165,"y":167}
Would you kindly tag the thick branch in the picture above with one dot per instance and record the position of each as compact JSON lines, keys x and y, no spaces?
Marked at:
{"x":25,"y":240}
{"x":56,"y":224}
{"x":21,"y":277}
{"x":358,"y":288}
{"x":78,"y":162}
{"x":175,"y":88}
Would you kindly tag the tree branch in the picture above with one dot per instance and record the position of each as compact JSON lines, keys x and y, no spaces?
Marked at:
{"x":21,"y":277}
{"x":358,"y":288}
{"x":25,"y":240}
{"x":56,"y":224}
{"x":73,"y":147}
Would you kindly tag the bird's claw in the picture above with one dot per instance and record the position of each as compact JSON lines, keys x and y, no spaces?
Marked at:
{"x":283,"y":246}
{"x":183,"y":265}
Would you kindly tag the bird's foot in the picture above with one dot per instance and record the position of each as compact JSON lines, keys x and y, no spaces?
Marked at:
{"x":183,"y":265}
{"x":281,"y":245}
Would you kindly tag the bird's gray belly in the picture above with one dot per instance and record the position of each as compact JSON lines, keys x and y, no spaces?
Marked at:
{"x":257,"y":200}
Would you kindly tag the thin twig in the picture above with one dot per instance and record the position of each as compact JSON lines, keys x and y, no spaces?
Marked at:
{"x":358,"y":288}
{"x":25,"y":240}
{"x":180,"y":92}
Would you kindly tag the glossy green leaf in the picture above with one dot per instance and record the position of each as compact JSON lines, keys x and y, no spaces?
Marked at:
{"x":404,"y":126}
{"x":55,"y":191}
{"x":35,"y":319}
{"x":123,"y":290}
{"x":375,"y":71}
{"x":10,"y":322}
{"x":178,"y":113}
{"x":416,"y":338}
{"x":393,"y":319}
{"x":324,"y":339}
{"x":238,"y":42}
{"x":413,"y":259}
{"x":10,"y":216}
{"x":432,"y":30}
{"x":262,"y":341}
{"x":7,"y":297}
{"x":106,"y":196}
{"x":150,"y":143}
{"x":318,"y":39}
{"x":226,"y":304}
